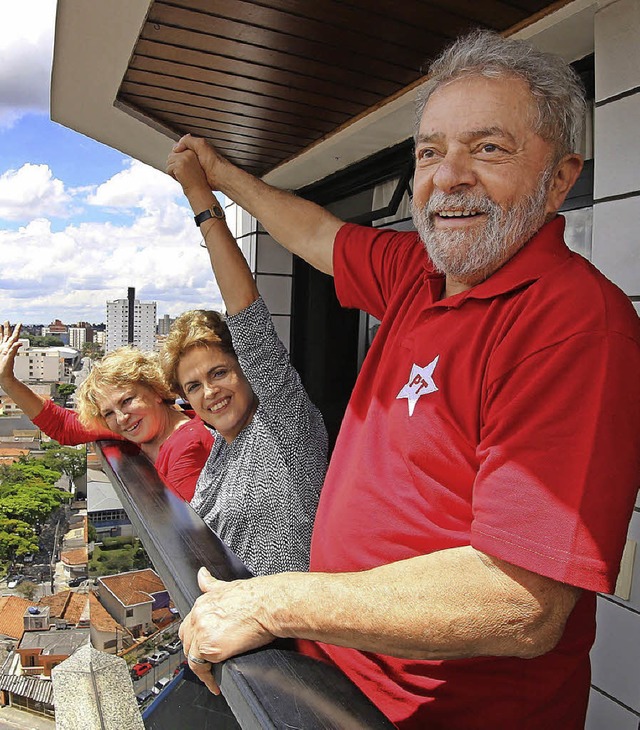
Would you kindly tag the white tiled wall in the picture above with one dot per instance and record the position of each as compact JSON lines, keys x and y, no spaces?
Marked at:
{"x":615,"y":698}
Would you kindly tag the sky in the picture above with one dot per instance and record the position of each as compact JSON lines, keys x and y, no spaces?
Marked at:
{"x":79,"y":221}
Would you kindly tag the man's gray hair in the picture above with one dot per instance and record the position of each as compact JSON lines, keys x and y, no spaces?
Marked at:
{"x":556,"y":88}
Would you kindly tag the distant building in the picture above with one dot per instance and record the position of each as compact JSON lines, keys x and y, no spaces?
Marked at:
{"x":80,"y":334}
{"x":164,"y":324}
{"x":104,"y":509}
{"x":45,"y":364}
{"x":131,"y":322}
{"x":57,"y":329}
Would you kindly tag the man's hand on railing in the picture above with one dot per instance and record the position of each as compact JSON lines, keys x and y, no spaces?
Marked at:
{"x":222,"y":623}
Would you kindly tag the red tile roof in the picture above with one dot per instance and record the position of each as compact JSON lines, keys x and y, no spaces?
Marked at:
{"x":75,"y":556}
{"x":134,"y":587}
{"x":101,"y":619}
{"x":12,"y":610}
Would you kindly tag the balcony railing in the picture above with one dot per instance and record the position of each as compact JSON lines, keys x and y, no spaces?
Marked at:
{"x":272,"y":687}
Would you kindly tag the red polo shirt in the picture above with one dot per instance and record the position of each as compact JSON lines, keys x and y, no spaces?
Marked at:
{"x":506,"y":417}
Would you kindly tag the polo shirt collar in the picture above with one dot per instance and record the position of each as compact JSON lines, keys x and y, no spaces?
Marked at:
{"x":543,"y":252}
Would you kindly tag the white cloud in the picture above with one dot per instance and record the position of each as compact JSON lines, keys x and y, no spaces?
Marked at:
{"x":71,"y":273}
{"x":138,"y":186}
{"x":32,"y":192}
{"x":26,"y":49}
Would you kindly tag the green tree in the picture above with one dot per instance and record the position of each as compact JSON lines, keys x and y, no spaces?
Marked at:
{"x":72,"y":462}
{"x":17,"y":538}
{"x":92,"y":533}
{"x":44,"y":341}
{"x":26,"y":471}
{"x":66,"y":389}
{"x":92,"y":350}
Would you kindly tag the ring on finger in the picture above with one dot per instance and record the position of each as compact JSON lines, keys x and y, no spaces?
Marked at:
{"x":197,"y":659}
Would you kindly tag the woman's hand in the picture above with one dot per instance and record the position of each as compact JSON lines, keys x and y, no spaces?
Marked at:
{"x":9,"y":346}
{"x":185,"y":168}
{"x":212,"y":163}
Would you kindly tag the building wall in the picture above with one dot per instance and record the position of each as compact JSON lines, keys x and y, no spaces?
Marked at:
{"x":144,"y":324}
{"x":615,"y":699}
{"x":140,"y":614}
{"x":39,"y":365}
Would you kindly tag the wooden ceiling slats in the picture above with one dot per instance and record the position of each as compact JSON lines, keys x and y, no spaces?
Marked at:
{"x":391,"y":45}
{"x":206,"y":127}
{"x":271,"y":116}
{"x":237,"y":95}
{"x":423,"y":14}
{"x":303,"y":134}
{"x":276,"y":92}
{"x":174,"y":115}
{"x":231,"y":66}
{"x":264,"y":79}
{"x":338,"y":14}
{"x":489,"y":13}
{"x":215,"y":46}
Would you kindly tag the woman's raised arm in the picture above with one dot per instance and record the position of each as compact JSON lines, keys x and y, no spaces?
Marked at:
{"x":230,"y":268}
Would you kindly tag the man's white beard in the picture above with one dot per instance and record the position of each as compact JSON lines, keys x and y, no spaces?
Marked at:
{"x":471,"y":255}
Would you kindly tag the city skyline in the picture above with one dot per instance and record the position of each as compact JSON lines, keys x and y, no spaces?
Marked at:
{"x":79,"y":221}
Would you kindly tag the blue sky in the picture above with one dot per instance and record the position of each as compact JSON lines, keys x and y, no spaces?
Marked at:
{"x":79,"y":221}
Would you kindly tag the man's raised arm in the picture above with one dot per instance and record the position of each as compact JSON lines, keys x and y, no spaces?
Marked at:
{"x":302,"y":227}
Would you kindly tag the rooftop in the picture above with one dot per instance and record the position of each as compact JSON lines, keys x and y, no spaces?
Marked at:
{"x":134,"y":587}
{"x":12,"y":610}
{"x":55,"y":641}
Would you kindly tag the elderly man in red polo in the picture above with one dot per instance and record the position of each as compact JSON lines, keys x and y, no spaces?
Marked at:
{"x":488,"y":462}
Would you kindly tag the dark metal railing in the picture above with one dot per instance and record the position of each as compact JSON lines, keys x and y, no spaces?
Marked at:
{"x":272,"y":687}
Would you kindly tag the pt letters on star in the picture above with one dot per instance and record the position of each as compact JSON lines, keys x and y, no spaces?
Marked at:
{"x":420,"y":383}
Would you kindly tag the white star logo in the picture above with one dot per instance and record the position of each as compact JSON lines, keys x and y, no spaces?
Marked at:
{"x":420,"y":383}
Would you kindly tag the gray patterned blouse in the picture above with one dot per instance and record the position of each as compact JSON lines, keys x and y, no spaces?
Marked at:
{"x":260,"y":492}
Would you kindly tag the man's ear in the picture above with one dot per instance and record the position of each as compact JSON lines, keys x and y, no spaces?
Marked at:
{"x":565,"y":174}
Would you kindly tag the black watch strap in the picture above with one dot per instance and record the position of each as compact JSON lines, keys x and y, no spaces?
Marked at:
{"x":215,"y":211}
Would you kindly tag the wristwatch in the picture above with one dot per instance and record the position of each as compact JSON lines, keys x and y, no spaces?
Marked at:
{"x":215,"y":211}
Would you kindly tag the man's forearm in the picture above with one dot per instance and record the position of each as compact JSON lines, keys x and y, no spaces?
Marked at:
{"x":452,"y":604}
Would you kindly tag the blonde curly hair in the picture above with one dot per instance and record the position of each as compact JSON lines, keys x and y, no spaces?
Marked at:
{"x":120,"y":368}
{"x":196,"y":328}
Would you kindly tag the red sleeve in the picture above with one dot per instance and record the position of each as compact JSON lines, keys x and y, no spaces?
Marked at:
{"x":368,"y":263}
{"x":64,"y":426}
{"x":182,"y":457}
{"x":559,"y":448}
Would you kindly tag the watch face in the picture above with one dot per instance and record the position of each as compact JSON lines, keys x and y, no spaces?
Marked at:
{"x":217,"y":211}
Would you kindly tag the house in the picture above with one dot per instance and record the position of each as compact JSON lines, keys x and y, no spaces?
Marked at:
{"x":132,"y":597}
{"x":320,"y":103}
{"x":106,"y":633}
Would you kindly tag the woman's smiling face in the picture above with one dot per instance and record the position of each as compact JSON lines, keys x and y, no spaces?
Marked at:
{"x":217,"y":389}
{"x":135,"y":412}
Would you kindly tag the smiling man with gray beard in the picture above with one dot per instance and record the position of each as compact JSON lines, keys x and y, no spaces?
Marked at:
{"x":487,"y":465}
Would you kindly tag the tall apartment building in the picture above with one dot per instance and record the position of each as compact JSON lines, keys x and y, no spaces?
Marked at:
{"x":131,"y":322}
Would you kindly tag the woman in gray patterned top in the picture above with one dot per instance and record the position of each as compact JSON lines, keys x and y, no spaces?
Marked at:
{"x":260,"y":487}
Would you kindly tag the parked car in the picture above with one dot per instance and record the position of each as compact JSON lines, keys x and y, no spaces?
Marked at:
{"x":14,"y":581}
{"x":140,"y":669}
{"x":182,"y":666}
{"x":158,"y":657}
{"x":75,"y":582}
{"x":160,"y":685}
{"x":143,"y":696}
{"x":173,"y":647}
